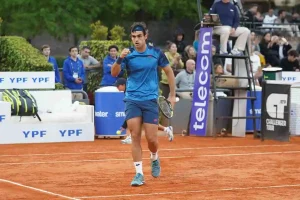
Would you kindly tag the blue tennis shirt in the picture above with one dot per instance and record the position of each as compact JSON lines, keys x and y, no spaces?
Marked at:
{"x":142,"y":80}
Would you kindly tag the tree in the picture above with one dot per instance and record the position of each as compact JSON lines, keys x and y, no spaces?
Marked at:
{"x":117,"y":33}
{"x":59,"y":18}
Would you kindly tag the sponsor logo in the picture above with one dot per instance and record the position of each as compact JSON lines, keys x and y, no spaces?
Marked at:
{"x":202,"y":84}
{"x":101,"y":114}
{"x":2,"y":118}
{"x":275,"y":105}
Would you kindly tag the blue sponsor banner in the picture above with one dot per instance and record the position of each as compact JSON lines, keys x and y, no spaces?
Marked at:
{"x":202,"y":84}
{"x":257,"y":110}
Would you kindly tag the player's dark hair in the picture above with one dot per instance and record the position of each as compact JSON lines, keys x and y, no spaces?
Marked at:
{"x":139,"y":26}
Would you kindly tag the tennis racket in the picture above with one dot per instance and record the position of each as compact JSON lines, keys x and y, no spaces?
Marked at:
{"x":165,"y":107}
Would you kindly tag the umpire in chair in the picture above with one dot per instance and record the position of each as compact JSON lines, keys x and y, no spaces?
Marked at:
{"x":230,"y":19}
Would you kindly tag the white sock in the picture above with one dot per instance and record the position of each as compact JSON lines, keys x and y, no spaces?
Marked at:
{"x":154,"y":156}
{"x":138,"y":167}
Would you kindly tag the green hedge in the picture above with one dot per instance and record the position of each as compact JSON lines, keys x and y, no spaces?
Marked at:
{"x":16,"y":54}
{"x":99,"y":50}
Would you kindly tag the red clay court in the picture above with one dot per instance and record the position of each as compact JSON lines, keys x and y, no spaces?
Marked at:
{"x":192,"y":168}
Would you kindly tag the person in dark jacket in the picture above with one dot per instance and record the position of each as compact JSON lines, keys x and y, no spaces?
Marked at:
{"x":179,"y":41}
{"x":109,"y":60}
{"x":74,"y":73}
{"x":290,"y":63}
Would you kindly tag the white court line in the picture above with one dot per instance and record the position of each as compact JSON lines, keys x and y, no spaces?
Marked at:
{"x":187,"y":192}
{"x":177,"y":149}
{"x":167,"y":157}
{"x":36,"y":189}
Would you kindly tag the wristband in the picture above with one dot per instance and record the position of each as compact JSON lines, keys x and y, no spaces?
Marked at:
{"x":119,"y":60}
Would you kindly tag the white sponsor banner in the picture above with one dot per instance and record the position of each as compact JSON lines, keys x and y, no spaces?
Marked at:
{"x":27,"y":80}
{"x":291,"y":76}
{"x":45,"y":133}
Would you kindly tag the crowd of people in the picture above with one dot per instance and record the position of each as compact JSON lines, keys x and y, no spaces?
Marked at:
{"x":272,"y":49}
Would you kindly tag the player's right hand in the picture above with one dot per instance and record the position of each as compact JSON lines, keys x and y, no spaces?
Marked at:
{"x":124,"y":53}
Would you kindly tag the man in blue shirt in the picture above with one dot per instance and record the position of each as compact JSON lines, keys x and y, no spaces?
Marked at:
{"x":73,"y":70}
{"x":230,"y":20}
{"x":141,"y":108}
{"x":46,"y":52}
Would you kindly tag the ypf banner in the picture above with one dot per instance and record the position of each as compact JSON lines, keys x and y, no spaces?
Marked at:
{"x":27,"y":80}
{"x":202,"y":84}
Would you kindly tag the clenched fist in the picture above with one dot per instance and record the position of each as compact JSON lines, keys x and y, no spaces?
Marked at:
{"x":124,"y":53}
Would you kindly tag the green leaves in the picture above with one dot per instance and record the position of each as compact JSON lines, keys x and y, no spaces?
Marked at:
{"x":62,"y":18}
{"x":18,"y":55}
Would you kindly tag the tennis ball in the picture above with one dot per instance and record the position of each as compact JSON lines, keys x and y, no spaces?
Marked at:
{"x":119,"y":132}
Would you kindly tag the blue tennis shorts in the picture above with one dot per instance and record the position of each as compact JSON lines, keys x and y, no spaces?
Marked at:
{"x":148,"y":110}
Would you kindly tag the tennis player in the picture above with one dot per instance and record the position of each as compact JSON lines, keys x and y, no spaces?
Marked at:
{"x":141,"y":95}
{"x":121,"y":85}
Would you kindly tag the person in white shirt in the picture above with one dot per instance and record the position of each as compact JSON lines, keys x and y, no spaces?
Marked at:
{"x":269,"y":19}
{"x":185,"y":79}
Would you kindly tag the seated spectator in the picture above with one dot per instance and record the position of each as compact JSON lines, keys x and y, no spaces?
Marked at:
{"x":215,"y":59}
{"x":185,"y":79}
{"x":179,"y":40}
{"x":269,"y":19}
{"x":290,"y":63}
{"x":218,"y":70}
{"x":265,"y":45}
{"x":109,"y":60}
{"x":259,"y":19}
{"x":196,"y":41}
{"x":74,"y":73}
{"x":176,"y":63}
{"x":298,"y":48}
{"x":255,"y":42}
{"x":46,"y":52}
{"x":255,"y":63}
{"x":189,"y":53}
{"x":89,"y":62}
{"x":285,"y":24}
{"x":230,"y":19}
{"x":251,"y":17}
{"x":282,"y":47}
{"x":295,"y":19}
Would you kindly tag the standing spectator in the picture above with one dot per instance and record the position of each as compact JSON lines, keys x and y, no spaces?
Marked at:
{"x":179,"y":40}
{"x":185,"y":79}
{"x":89,"y":62}
{"x":230,"y":19}
{"x":109,"y":60}
{"x":189,"y":53}
{"x":290,"y":63}
{"x":46,"y":52}
{"x":74,"y":72}
{"x":176,"y":63}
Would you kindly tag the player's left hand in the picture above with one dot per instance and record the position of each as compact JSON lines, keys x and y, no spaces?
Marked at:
{"x":172,"y":100}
